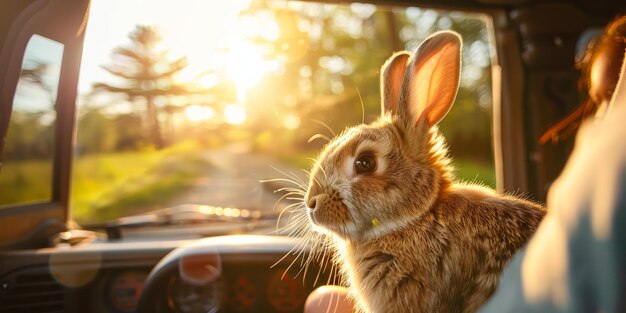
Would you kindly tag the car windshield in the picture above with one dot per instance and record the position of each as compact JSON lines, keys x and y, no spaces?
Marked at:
{"x":196,"y":102}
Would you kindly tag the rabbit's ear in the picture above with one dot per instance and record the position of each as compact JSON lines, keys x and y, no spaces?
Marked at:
{"x":391,"y":79}
{"x":432,"y":80}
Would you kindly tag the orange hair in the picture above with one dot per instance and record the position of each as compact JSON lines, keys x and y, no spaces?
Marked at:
{"x":613,"y":39}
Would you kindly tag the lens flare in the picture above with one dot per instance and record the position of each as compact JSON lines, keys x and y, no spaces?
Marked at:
{"x":198,"y":113}
{"x":234,"y":114}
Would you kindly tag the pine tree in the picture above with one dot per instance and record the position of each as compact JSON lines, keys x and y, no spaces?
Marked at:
{"x":146,"y":73}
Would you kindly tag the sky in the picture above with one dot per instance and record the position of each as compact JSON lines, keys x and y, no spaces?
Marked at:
{"x":32,"y":98}
{"x":199,"y":30}
{"x":190,"y":28}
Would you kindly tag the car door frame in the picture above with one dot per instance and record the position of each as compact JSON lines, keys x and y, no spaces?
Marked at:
{"x":64,"y":21}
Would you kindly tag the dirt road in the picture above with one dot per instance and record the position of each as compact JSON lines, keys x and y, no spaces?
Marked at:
{"x":234,"y":181}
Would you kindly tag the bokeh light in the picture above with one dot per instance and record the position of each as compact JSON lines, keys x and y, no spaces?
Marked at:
{"x":234,"y":114}
{"x":197,"y":113}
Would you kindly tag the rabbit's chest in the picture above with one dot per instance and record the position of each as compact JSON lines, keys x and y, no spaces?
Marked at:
{"x":395,"y":276}
{"x":421,"y":272}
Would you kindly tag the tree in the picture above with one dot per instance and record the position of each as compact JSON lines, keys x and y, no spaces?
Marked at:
{"x":146,"y":73}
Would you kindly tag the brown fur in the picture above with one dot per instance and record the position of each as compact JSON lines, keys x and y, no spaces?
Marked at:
{"x":407,"y":237}
{"x":448,"y":261}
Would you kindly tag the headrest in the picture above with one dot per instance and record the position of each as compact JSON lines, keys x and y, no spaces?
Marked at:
{"x":587,"y":38}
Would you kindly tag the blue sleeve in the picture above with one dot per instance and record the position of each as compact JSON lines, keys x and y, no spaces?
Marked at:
{"x":576,"y":262}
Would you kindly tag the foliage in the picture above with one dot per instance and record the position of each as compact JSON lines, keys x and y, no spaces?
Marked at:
{"x":27,"y":180}
{"x":335,"y":79}
{"x":469,"y":170}
{"x":146,"y":73}
{"x":107,"y":186}
{"x":28,"y":137}
{"x":100,"y":132}
{"x":324,"y":77}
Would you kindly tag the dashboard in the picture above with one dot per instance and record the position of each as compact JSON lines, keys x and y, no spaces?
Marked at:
{"x":239,"y":273}
{"x":244,"y":286}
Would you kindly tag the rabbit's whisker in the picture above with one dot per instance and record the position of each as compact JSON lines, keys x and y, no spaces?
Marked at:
{"x":294,"y":261}
{"x":317,"y":181}
{"x":323,"y":172}
{"x":282,"y":180}
{"x":296,"y":199}
{"x":325,"y":125}
{"x":362,"y":105}
{"x":293,"y":229}
{"x":283,"y":211}
{"x":294,"y":190}
{"x":298,"y":178}
{"x":296,"y":247}
{"x":295,"y":179}
{"x":318,"y":136}
{"x":320,"y":269}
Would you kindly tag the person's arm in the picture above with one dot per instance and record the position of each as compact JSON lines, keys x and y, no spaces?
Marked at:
{"x":329,"y":299}
{"x":576,"y":262}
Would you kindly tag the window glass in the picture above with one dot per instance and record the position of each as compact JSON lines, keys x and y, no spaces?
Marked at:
{"x":26,"y":173}
{"x":194,"y":102}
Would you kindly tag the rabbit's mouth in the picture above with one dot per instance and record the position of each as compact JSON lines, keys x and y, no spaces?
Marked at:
{"x":327,"y":210}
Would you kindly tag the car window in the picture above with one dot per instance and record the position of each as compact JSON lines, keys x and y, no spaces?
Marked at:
{"x":28,"y":158}
{"x":196,"y":102}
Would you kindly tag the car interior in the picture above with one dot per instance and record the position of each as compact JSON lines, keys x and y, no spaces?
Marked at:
{"x":193,"y":215}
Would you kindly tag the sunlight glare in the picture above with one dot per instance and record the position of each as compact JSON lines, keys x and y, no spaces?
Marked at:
{"x":198,"y":113}
{"x":292,"y":121}
{"x":234,"y":114}
{"x":208,"y":81}
{"x":191,"y":28}
{"x":245,"y":66}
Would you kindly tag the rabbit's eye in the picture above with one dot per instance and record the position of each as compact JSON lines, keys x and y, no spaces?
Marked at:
{"x":365,"y":163}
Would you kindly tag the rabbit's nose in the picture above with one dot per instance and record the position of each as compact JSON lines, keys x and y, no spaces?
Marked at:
{"x":312,"y":196}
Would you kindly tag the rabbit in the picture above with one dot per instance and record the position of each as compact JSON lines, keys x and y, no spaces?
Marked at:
{"x":406,"y":236}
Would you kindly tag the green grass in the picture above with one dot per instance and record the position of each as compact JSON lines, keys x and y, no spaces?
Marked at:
{"x":114,"y":185}
{"x":474,"y":171}
{"x":301,"y":160}
{"x":107,"y":186}
{"x":139,"y":193}
{"x":15,"y":175}
{"x":95,"y":177}
{"x":111,"y":185}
